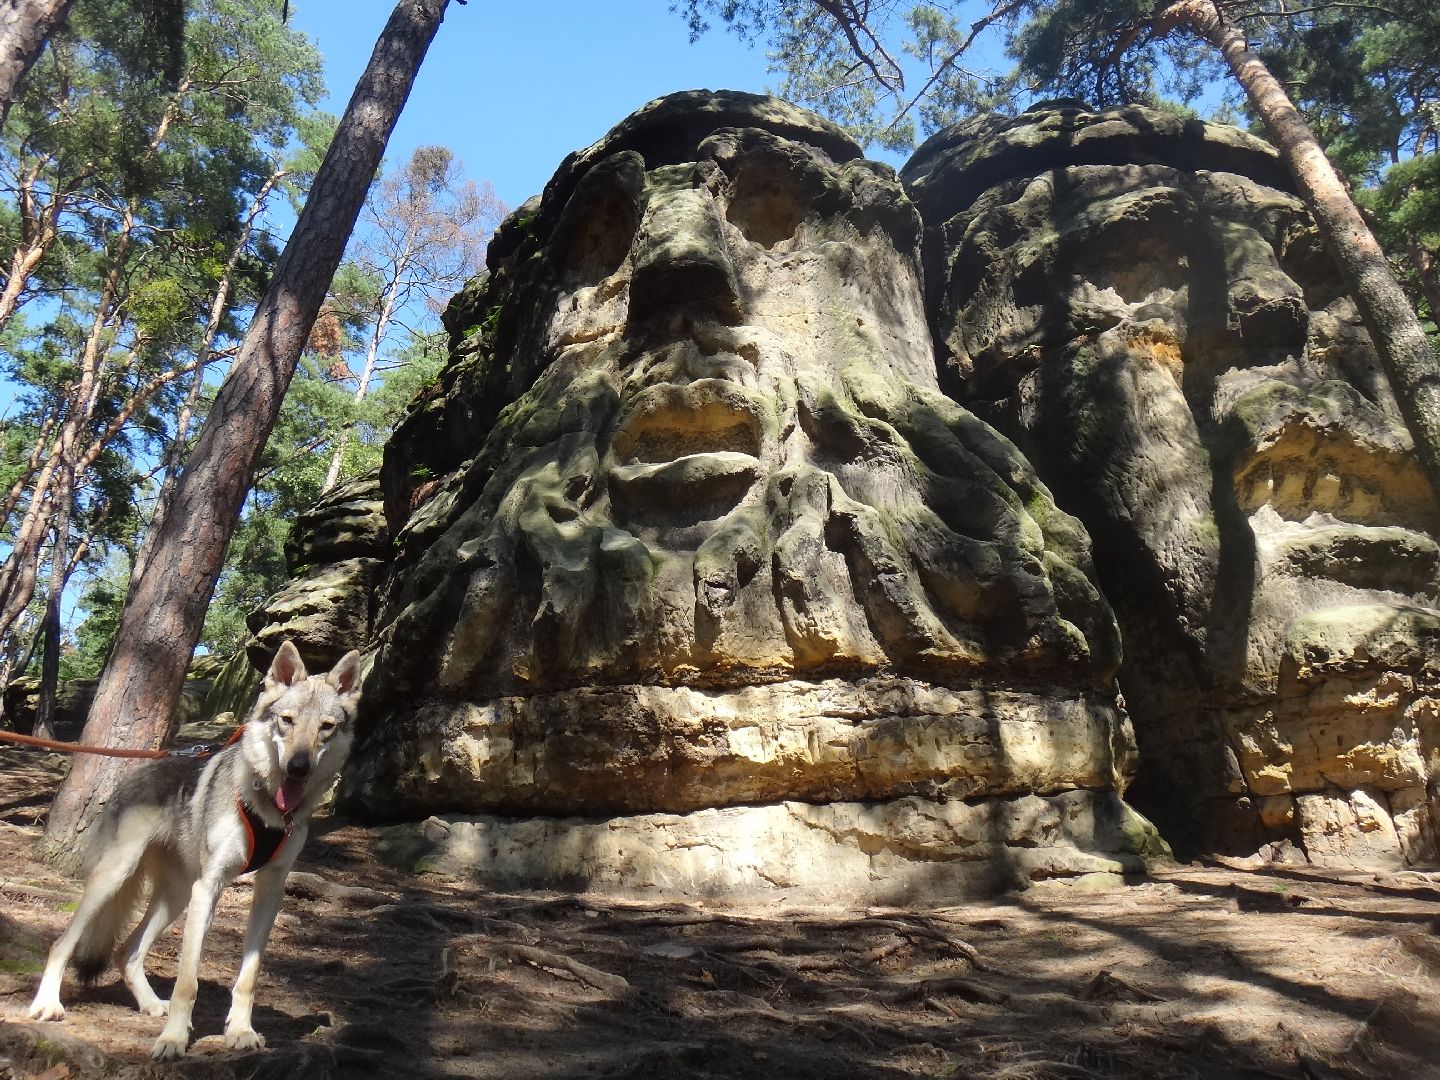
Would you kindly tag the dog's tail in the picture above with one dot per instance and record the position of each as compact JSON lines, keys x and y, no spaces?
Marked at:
{"x":122,"y":888}
{"x":101,"y":935}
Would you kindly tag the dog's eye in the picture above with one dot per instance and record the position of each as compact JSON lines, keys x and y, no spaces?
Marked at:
{"x":284,"y":721}
{"x":327,"y":726}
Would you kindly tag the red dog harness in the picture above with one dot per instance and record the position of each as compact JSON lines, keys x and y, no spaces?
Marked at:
{"x":262,"y":842}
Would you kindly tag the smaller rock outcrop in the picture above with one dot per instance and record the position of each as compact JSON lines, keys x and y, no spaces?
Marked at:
{"x":337,"y":552}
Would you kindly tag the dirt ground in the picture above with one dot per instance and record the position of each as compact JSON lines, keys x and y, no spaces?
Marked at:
{"x":1199,"y":971}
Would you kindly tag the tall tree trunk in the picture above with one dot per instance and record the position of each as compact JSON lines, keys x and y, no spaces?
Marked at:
{"x":165,"y":611}
{"x":49,"y":670}
{"x":1409,"y":361}
{"x":25,"y":26}
{"x":70,"y":458}
{"x":50,"y":658}
{"x":18,"y":572}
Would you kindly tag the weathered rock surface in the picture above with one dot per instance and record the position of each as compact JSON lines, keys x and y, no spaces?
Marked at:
{"x":733,"y":465}
{"x":1142,"y":305}
{"x":336,"y":554}
{"x":901,"y":851}
{"x":635,"y":747}
{"x":686,"y":528}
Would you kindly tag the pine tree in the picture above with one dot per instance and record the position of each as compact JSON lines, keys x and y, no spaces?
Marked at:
{"x":138,"y":692}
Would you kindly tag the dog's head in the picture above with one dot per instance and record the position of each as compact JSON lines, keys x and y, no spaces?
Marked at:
{"x":299,"y":735}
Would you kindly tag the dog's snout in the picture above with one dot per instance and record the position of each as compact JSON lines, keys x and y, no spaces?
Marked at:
{"x":298,"y":767}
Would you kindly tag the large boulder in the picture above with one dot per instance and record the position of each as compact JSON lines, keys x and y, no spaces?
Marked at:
{"x":1141,"y":303}
{"x":689,"y":550}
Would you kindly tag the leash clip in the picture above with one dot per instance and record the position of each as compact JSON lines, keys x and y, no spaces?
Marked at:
{"x":199,"y":751}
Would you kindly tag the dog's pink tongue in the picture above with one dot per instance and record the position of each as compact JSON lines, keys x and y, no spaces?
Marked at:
{"x":290,"y":796}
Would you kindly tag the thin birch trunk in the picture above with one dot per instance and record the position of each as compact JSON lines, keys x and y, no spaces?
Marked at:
{"x":372,"y":356}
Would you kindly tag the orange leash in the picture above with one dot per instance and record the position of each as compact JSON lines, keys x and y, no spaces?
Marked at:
{"x":104,"y":751}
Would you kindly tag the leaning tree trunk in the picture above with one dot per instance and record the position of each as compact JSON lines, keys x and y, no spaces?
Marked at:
{"x":25,"y":26}
{"x":1410,"y":363}
{"x":165,"y":611}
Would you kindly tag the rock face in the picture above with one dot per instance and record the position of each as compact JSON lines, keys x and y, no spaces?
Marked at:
{"x":75,"y":697}
{"x":908,"y":850}
{"x":336,"y":555}
{"x":1141,"y":305}
{"x":691,"y":553}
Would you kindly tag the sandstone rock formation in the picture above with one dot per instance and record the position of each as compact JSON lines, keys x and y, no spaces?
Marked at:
{"x":339,"y":548}
{"x":1143,"y":306}
{"x":74,"y":697}
{"x":699,"y":583}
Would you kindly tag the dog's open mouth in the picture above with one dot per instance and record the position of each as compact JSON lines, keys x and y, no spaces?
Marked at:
{"x":290,"y":795}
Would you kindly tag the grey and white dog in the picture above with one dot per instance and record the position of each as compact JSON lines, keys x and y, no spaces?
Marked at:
{"x":183,"y":829}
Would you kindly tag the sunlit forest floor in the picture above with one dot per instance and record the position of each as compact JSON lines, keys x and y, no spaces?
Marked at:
{"x":1200,"y":971}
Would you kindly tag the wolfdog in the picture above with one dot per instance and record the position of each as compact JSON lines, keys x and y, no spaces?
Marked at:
{"x":183,"y":829}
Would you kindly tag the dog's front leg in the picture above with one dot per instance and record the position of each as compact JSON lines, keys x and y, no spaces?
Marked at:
{"x":264,"y":905}
{"x":204,"y":895}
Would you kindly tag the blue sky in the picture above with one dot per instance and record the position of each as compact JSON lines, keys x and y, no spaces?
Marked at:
{"x":512,"y":87}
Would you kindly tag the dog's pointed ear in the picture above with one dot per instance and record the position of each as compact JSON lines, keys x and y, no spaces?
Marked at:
{"x":287,"y":669}
{"x":346,"y":674}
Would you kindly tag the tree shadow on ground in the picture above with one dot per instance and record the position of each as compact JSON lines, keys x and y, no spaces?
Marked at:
{"x":373,"y":973}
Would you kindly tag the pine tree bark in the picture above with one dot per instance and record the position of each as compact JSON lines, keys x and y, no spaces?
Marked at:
{"x":25,"y":26}
{"x":1410,"y":363}
{"x":1423,"y":260}
{"x":141,"y":685}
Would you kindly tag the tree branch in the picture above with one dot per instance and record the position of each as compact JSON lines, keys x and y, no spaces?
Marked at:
{"x":1004,"y":9}
{"x":852,"y":22}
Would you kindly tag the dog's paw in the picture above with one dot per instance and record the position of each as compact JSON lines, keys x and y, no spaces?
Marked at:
{"x":168,"y":1048}
{"x":158,"y":1007}
{"x":244,"y":1039}
{"x":47,"y":1010}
